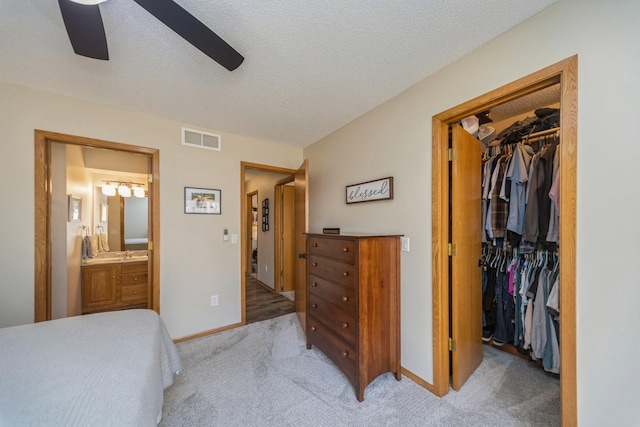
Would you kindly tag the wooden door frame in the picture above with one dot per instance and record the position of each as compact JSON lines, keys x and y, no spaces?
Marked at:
{"x":42,"y":232}
{"x":277,"y":230}
{"x":243,"y":225}
{"x":566,"y":73}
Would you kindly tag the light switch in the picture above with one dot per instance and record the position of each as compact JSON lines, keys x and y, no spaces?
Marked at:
{"x":234,"y":238}
{"x":225,"y":236}
{"x":405,"y":244}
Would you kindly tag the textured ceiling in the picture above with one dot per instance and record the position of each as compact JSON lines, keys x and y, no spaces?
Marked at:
{"x":310,"y":66}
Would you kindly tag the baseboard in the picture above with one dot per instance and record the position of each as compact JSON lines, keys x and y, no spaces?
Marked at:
{"x":267,"y":287}
{"x":206,"y":333}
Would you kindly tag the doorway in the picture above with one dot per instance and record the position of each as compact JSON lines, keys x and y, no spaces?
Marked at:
{"x":252,"y":234}
{"x":43,"y":214}
{"x":565,"y":74}
{"x":299,"y":177}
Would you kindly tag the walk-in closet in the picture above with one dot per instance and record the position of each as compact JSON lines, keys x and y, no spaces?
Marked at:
{"x":520,"y":226}
{"x":504,"y":269}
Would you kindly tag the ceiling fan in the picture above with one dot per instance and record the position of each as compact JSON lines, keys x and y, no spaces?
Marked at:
{"x":85,"y":29}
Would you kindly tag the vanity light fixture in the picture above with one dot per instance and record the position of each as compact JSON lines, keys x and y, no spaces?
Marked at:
{"x":124,"y":188}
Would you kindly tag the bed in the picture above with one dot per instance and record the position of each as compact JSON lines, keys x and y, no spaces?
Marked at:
{"x":105,"y":369}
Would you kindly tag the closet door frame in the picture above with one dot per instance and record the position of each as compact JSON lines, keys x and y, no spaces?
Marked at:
{"x":566,"y":73}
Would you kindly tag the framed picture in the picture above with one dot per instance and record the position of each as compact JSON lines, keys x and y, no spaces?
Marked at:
{"x":202,"y":201}
{"x":380,"y":189}
{"x":265,"y":215}
{"x":75,"y":208}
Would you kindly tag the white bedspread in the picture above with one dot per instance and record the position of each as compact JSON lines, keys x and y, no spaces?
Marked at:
{"x":105,"y":369}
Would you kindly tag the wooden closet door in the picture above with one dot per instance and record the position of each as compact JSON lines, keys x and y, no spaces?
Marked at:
{"x":466,"y":276}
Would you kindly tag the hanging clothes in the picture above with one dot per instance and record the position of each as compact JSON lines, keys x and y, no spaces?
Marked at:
{"x":520,"y":217}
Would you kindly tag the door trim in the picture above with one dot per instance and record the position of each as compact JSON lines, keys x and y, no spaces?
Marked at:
{"x":42,"y":232}
{"x":243,"y":226}
{"x":566,"y":73}
{"x":277,"y":231}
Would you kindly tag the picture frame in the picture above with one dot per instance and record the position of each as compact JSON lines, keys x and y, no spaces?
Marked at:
{"x":265,"y":215}
{"x":74,"y":212}
{"x":379,"y":189}
{"x":202,"y":201}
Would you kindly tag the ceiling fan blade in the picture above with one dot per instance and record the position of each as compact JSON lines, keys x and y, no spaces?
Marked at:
{"x":85,"y":29}
{"x":193,"y":31}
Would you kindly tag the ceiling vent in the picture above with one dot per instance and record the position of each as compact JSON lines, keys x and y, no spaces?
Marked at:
{"x":196,"y":138}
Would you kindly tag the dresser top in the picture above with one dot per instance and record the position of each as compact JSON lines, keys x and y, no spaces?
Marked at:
{"x":359,"y":235}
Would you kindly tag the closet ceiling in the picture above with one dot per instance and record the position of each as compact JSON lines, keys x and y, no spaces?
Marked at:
{"x":525,"y":104}
{"x":310,"y":67}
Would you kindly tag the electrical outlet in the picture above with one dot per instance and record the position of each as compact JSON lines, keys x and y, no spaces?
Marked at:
{"x":214,"y":300}
{"x":266,"y":268}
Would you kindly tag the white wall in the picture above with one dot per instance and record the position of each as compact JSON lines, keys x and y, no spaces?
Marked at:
{"x":195,"y":262}
{"x":395,"y":140}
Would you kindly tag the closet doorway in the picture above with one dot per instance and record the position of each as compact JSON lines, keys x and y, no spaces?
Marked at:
{"x":43,"y":143}
{"x":464,"y":334}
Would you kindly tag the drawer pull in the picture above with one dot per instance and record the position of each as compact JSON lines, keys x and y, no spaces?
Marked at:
{"x":315,"y":264}
{"x":345,"y":325}
{"x":113,"y":277}
{"x":345,"y":353}
{"x":314,"y":305}
{"x":315,"y":245}
{"x":345,"y":249}
{"x":135,"y":292}
{"x":314,"y":284}
{"x":313,"y":328}
{"x":135,"y":279}
{"x":345,"y":298}
{"x":345,"y":274}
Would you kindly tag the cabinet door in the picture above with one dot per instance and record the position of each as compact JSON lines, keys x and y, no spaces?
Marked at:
{"x":99,"y":287}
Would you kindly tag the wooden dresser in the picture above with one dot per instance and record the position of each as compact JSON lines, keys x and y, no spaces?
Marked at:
{"x":353,"y":304}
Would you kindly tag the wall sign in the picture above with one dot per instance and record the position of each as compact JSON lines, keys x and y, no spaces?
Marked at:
{"x":380,"y":189}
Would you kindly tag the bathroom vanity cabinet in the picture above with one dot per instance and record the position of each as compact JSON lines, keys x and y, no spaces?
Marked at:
{"x":114,"y":286}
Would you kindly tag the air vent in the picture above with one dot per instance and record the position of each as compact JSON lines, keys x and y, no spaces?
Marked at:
{"x":196,"y":138}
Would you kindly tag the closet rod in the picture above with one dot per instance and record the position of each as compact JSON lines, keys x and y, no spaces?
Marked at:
{"x":543,"y":132}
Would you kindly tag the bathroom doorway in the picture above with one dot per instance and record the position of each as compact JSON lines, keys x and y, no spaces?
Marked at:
{"x":46,"y":209}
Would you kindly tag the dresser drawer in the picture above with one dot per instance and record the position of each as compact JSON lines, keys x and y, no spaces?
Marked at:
{"x":342,"y":354}
{"x":337,"y":295}
{"x":330,"y":269}
{"x":332,"y":317}
{"x":334,"y":248}
{"x":134,"y":292}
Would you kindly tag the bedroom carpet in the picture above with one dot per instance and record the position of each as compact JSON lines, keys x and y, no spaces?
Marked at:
{"x":262,"y":374}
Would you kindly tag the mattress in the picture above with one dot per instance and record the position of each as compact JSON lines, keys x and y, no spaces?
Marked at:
{"x":104,"y":369}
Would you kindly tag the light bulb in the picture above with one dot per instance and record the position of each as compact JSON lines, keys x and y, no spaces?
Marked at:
{"x":138,"y":191}
{"x":109,"y":189}
{"x":124,"y":191}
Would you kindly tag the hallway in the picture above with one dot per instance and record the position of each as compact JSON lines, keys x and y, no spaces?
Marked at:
{"x":262,"y":304}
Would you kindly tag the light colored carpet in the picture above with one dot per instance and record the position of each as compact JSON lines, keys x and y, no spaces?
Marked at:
{"x":262,"y":374}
